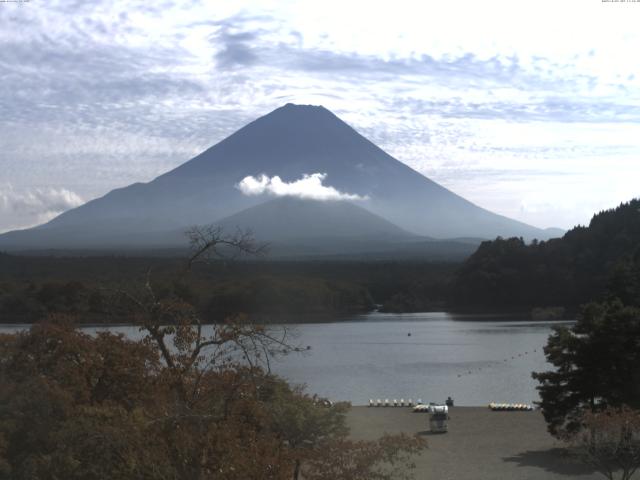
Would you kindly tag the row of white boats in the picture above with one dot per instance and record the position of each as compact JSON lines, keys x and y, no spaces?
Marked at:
{"x":393,"y":403}
{"x":509,"y":407}
{"x":422,"y":407}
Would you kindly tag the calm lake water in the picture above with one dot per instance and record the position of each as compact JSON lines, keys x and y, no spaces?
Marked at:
{"x":475,"y":359}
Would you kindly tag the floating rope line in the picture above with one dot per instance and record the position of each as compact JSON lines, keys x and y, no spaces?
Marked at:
{"x":497,"y":362}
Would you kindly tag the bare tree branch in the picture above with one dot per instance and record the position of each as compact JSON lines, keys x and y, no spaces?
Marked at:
{"x":205,"y":242}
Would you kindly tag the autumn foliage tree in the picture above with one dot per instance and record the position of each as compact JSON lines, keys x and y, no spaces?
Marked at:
{"x":609,"y":441}
{"x":184,"y":401}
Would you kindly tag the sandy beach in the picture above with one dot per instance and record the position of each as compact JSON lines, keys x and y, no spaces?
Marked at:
{"x":480,"y":444}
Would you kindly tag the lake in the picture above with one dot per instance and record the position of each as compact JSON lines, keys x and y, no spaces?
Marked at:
{"x":475,"y":359}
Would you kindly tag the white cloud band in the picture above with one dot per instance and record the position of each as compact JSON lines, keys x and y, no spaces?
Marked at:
{"x":308,"y":187}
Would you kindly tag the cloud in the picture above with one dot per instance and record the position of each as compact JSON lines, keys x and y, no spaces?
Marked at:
{"x":545,"y":108}
{"x":40,"y":202}
{"x":236,"y":49}
{"x":308,"y":187}
{"x":251,"y":42}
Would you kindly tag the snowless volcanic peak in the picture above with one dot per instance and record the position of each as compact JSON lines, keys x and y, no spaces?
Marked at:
{"x":293,"y":143}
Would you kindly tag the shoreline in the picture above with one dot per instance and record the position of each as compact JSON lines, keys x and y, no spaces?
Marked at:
{"x":353,"y":317}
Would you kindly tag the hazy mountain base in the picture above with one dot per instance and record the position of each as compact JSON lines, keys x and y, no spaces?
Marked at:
{"x":306,"y":250}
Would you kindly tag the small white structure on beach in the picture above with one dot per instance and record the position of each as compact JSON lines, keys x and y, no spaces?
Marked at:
{"x":438,"y":418}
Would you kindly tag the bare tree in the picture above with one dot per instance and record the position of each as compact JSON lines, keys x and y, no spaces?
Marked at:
{"x":189,"y":348}
{"x":207,"y":242}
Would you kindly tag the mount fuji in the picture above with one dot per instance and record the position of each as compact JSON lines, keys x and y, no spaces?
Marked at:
{"x":360,"y":192}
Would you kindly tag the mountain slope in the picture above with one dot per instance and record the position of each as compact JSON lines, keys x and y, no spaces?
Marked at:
{"x":290,"y":142}
{"x":296,"y":228}
{"x":290,"y":219}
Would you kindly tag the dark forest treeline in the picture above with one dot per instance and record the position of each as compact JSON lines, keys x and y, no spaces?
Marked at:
{"x":33,"y":287}
{"x":601,"y":260}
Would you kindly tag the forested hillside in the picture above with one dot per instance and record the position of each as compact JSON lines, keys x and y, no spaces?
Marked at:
{"x":600,"y":260}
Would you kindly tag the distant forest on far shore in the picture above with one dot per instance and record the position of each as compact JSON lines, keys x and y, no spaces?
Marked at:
{"x":33,"y":287}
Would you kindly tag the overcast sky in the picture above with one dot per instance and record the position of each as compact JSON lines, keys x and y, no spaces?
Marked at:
{"x":529,"y":109}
